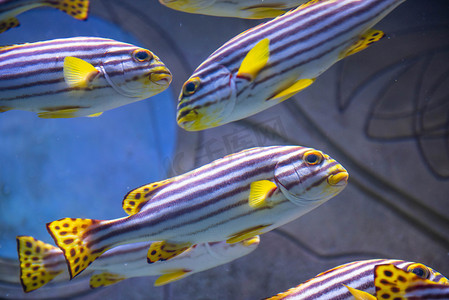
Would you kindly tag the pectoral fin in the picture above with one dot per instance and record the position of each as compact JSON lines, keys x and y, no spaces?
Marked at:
{"x":260,"y":191}
{"x":264,"y":12}
{"x":170,"y":277}
{"x":360,"y":295}
{"x":78,"y":73}
{"x":365,"y":40}
{"x":8,"y":24}
{"x":255,"y":60}
{"x":292,"y":90}
{"x":246,"y":234}
{"x":137,"y":198}
{"x":104,"y":279}
{"x":161,"y":251}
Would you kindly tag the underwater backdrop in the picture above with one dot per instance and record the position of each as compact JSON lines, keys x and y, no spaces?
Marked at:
{"x":382,"y":113}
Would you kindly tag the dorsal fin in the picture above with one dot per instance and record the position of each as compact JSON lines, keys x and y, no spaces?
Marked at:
{"x":136,"y":199}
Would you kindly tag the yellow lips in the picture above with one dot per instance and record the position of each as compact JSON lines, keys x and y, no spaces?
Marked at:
{"x":161,"y":78}
{"x":338,"y":179}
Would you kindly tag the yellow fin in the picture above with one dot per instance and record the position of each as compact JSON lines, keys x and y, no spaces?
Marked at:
{"x":58,"y":114}
{"x":360,"y":295}
{"x":136,"y":199}
{"x":170,"y":277}
{"x":68,"y":234}
{"x":78,"y":9}
{"x":78,"y":73}
{"x":365,"y":40}
{"x":264,"y":12}
{"x":95,"y":115}
{"x":255,"y":60}
{"x":293,"y":89}
{"x":33,"y":271}
{"x":311,"y":2}
{"x":246,"y":234}
{"x":160,"y":251}
{"x":8,"y":24}
{"x":104,"y":279}
{"x":260,"y":191}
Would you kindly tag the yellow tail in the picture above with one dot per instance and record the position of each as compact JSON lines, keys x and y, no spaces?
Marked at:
{"x":33,"y":254}
{"x":79,"y":9}
{"x":70,"y":235}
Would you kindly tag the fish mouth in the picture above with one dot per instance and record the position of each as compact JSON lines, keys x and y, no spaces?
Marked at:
{"x":161,"y":78}
{"x":339,"y":179}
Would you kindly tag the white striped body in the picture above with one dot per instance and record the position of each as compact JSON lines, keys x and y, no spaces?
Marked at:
{"x":246,"y":9}
{"x":302,"y":44}
{"x":358,"y":275}
{"x":32,"y":76}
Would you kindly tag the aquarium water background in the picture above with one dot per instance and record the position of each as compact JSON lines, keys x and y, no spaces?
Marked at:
{"x":383,"y":113}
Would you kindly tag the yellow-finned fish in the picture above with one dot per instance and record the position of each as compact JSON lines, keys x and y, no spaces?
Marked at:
{"x":79,"y":76}
{"x":359,"y":280}
{"x":9,"y":9}
{"x":270,"y":63}
{"x":41,"y":262}
{"x":246,"y":9}
{"x":231,"y":199}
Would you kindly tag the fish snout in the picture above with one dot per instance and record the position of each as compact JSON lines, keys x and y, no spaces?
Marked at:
{"x":339,"y":177}
{"x":161,"y":76}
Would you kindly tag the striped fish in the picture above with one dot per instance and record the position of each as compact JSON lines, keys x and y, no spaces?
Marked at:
{"x":336,"y":283}
{"x":246,"y":9}
{"x":231,"y":199}
{"x":75,"y":77}
{"x":9,"y":9}
{"x":269,"y":63}
{"x":41,"y":262}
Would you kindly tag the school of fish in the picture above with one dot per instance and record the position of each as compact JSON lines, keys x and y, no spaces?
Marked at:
{"x":214,"y":214}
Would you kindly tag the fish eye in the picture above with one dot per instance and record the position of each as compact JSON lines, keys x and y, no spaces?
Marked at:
{"x":420,"y":270}
{"x":190,"y":86}
{"x":312,"y":157}
{"x":142,"y":55}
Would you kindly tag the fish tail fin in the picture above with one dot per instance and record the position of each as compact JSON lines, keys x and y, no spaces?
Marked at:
{"x":79,"y":9}
{"x":72,"y":236}
{"x":35,"y":267}
{"x":8,"y":24}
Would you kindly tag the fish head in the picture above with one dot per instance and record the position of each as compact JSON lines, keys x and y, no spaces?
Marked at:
{"x":225,"y":252}
{"x":310,"y":175}
{"x":207,"y":98}
{"x":191,"y":6}
{"x":139,"y":74}
{"x":426,"y":272}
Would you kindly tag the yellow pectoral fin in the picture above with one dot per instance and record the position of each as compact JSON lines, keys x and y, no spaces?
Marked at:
{"x":292,"y":90}
{"x":136,"y":199}
{"x":264,"y":12}
{"x":246,"y":234}
{"x":8,"y":24}
{"x":365,"y":40}
{"x":78,"y":9}
{"x":161,"y":251}
{"x":360,"y":295}
{"x":78,"y":73}
{"x":34,"y":272}
{"x":260,"y":191}
{"x":95,"y":115}
{"x":104,"y":279}
{"x":255,"y":60}
{"x":58,"y":114}
{"x":170,"y":277}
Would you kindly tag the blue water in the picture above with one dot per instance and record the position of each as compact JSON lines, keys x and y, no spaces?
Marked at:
{"x":81,"y":167}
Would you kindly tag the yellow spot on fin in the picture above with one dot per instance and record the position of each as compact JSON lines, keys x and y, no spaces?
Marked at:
{"x":69,"y":235}
{"x":95,"y":115}
{"x":34,"y":273}
{"x":137,"y":198}
{"x":160,"y":251}
{"x":170,"y":277}
{"x":246,"y":234}
{"x":365,"y":40}
{"x":260,"y":191}
{"x":360,"y":295}
{"x":78,"y":9}
{"x":104,"y":279}
{"x":264,"y":12}
{"x":78,"y":73}
{"x":8,"y":24}
{"x":293,"y":89}
{"x":255,"y":60}
{"x":58,"y":114}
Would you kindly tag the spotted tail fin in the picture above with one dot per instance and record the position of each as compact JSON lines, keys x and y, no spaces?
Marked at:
{"x":70,"y":235}
{"x":79,"y":9}
{"x":39,"y":262}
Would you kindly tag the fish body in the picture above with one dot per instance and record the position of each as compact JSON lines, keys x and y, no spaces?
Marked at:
{"x":79,"y":76}
{"x":9,"y":9}
{"x":360,"y":275}
{"x":233,"y":198}
{"x":246,"y":9}
{"x":271,"y":62}
{"x":126,"y":261}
